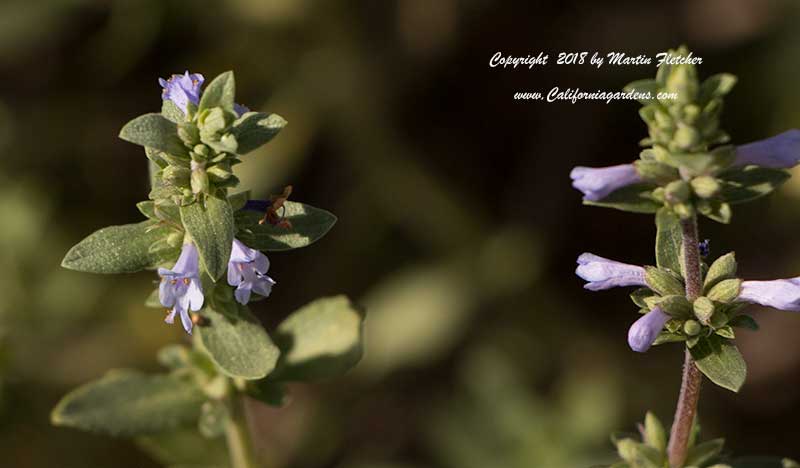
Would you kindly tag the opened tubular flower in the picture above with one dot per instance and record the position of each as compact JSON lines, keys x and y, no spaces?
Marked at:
{"x":180,"y":289}
{"x":783,"y":294}
{"x":779,"y":152}
{"x":182,"y":89}
{"x":644,"y":331}
{"x":598,"y":183}
{"x":602,"y":273}
{"x":247,"y":271}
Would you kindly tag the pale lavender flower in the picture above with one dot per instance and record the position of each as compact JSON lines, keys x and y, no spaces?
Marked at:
{"x":644,"y":331}
{"x":597,"y":183}
{"x":783,"y":294}
{"x":247,"y":270}
{"x":182,"y":89}
{"x":779,"y":152}
{"x":180,"y":289}
{"x":602,"y":273}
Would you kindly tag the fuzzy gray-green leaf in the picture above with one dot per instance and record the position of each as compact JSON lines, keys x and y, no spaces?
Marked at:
{"x":119,"y":249}
{"x":237,"y":342}
{"x":128,"y":403}
{"x":635,"y":198}
{"x":219,"y":93}
{"x":322,"y":339}
{"x":745,"y":184}
{"x":723,"y":268}
{"x":210,"y":223}
{"x":705,"y":452}
{"x":308,"y":224}
{"x":154,"y":131}
{"x":669,"y":239}
{"x":254,"y":129}
{"x":720,"y":361}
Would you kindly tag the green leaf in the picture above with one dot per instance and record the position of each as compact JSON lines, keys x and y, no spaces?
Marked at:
{"x":744,"y":321}
{"x":322,"y":339}
{"x":128,"y":403}
{"x":268,"y":392}
{"x":185,"y":448}
{"x":664,"y":282}
{"x":119,"y":249}
{"x":255,"y":129}
{"x":640,"y":296}
{"x":669,"y":239}
{"x":716,"y":86}
{"x":210,"y":223}
{"x":154,"y":131}
{"x":745,"y":184}
{"x":644,"y":86}
{"x":723,"y":268}
{"x":705,"y":452}
{"x":238,"y":200}
{"x":219,"y":93}
{"x":308,"y":225}
{"x":635,"y":198}
{"x":725,"y":290}
{"x":676,"y":306}
{"x":654,"y":433}
{"x":172,"y":112}
{"x":714,"y":209}
{"x":148,"y":209}
{"x":237,"y":343}
{"x":720,"y":361}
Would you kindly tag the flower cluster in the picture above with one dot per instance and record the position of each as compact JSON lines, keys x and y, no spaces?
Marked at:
{"x":199,"y":161}
{"x":686,"y":165}
{"x":181,"y":289}
{"x":207,"y":134}
{"x":667,"y":316}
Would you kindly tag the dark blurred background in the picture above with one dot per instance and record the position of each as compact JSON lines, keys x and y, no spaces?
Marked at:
{"x":458,"y":228}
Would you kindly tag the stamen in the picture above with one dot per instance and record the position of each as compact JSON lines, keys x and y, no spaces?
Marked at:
{"x":186,"y":281}
{"x":173,"y":281}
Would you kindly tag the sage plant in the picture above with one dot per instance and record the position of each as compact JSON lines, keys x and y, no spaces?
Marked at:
{"x":207,"y":244}
{"x":688,"y":171}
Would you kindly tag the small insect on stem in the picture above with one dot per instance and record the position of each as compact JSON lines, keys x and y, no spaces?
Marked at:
{"x":276,"y":203}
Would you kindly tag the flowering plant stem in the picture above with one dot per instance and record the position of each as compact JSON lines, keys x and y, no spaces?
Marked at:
{"x":237,"y":435}
{"x":690,"y":386}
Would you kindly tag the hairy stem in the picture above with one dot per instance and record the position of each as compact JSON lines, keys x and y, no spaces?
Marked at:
{"x":237,"y":435}
{"x":690,"y":385}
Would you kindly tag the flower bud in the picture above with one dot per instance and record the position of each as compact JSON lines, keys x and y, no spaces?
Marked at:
{"x":175,"y":239}
{"x":176,"y":175}
{"x":219,"y":172}
{"x":683,"y":210}
{"x":677,"y":192}
{"x":705,"y":186}
{"x":188,"y":133}
{"x":703,"y":309}
{"x":644,"y":331}
{"x":692,"y":327}
{"x":199,"y":181}
{"x":683,"y":81}
{"x":686,"y":137}
{"x":691,"y":113}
